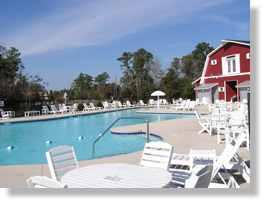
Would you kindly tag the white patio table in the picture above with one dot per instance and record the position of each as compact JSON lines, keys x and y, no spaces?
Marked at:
{"x":116,"y":175}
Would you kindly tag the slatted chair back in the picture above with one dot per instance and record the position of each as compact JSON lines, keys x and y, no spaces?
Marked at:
{"x":61,"y":160}
{"x":92,"y":105}
{"x":200,"y":176}
{"x":157,"y":154}
{"x":85,"y":105}
{"x":44,"y":182}
{"x":54,"y":108}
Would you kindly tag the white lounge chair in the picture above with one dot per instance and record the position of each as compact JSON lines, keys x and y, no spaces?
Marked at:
{"x":93,"y":106}
{"x":121,"y":105}
{"x":128,"y":103}
{"x":87,"y":108}
{"x":45,"y":110}
{"x":165,"y":102}
{"x":152,"y":102}
{"x":190,"y":106}
{"x":62,"y":108}
{"x":106,"y":105}
{"x":74,"y":109}
{"x":141,"y":103}
{"x":44,"y":182}
{"x":61,"y":160}
{"x":180,"y":106}
{"x":54,"y":109}
{"x":157,"y":154}
{"x":4,"y":115}
{"x":204,"y":122}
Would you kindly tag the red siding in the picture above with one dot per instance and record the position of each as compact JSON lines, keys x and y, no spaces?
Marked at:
{"x":216,"y":70}
{"x":221,"y":83}
{"x":226,"y":50}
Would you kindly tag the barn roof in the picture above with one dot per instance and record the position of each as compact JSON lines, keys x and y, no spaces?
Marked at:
{"x":225,"y":41}
{"x":206,"y":86}
{"x":244,"y":84}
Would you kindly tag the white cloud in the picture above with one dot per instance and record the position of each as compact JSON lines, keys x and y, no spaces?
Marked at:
{"x":97,"y":22}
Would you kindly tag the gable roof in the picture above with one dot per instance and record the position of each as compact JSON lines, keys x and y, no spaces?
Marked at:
{"x":224,"y":42}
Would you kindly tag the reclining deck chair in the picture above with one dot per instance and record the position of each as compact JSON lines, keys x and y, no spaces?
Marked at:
{"x":87,"y":108}
{"x":93,"y":106}
{"x":3,"y":114}
{"x":128,"y":103}
{"x":222,"y":162}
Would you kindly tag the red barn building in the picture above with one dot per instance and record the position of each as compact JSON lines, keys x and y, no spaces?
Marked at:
{"x":226,"y":72}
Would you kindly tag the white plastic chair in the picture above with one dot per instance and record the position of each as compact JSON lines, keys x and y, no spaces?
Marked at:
{"x":61,"y":160}
{"x":157,"y":154}
{"x":4,"y":114}
{"x":141,"y":103}
{"x":129,"y":104}
{"x":74,"y":108}
{"x":87,"y":108}
{"x":204,"y":122}
{"x":93,"y":106}
{"x":44,"y":182}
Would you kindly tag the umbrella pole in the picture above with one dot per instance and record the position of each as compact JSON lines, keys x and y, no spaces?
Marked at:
{"x":158,"y":102}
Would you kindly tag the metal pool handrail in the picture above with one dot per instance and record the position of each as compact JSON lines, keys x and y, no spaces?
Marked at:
{"x":100,"y":135}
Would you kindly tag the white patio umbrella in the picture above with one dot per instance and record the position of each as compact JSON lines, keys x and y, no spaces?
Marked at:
{"x":158,"y":94}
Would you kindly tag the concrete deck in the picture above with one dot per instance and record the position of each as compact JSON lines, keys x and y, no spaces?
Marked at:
{"x":181,"y":133}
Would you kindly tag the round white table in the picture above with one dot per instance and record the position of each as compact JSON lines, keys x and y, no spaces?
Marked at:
{"x":116,"y":175}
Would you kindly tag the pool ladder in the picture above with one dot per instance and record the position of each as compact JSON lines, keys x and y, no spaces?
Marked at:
{"x":101,"y":135}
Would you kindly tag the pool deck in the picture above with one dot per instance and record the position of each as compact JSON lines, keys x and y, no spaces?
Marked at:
{"x":181,"y":133}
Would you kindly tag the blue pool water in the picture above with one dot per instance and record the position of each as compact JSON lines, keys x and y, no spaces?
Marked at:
{"x":29,"y":138}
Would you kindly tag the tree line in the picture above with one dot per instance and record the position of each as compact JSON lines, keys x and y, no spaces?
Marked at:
{"x":17,"y":89}
{"x":142,"y":74}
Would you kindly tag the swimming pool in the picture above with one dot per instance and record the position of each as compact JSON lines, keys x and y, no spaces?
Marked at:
{"x":29,"y":138}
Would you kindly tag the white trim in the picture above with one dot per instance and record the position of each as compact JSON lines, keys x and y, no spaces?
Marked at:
{"x":196,"y":80}
{"x":225,"y":64}
{"x":229,"y":75}
{"x":227,"y":41}
{"x":206,"y":63}
{"x":213,"y":62}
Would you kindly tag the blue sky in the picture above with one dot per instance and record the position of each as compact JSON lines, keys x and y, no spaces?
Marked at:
{"x":59,"y":39}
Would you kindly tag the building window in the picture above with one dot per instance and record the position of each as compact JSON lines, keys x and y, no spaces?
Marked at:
{"x":248,"y":55}
{"x":231,"y":64}
{"x":221,"y":89}
{"x":214,"y":62}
